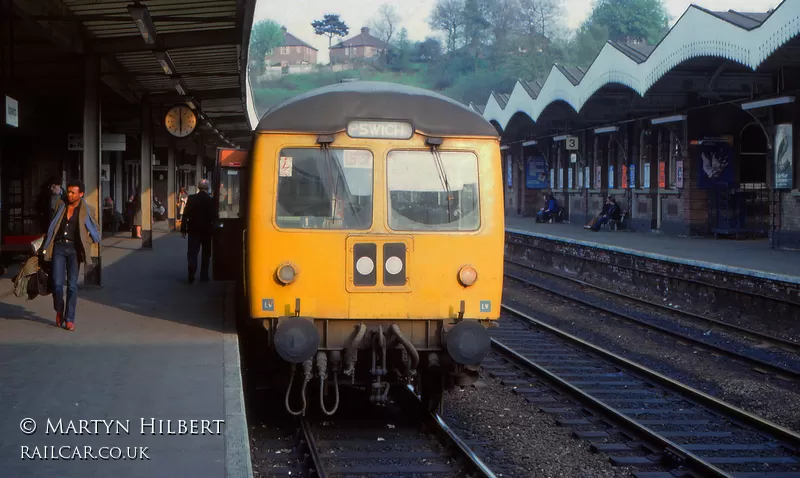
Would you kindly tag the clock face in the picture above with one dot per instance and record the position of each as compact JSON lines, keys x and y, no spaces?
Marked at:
{"x":180,"y":121}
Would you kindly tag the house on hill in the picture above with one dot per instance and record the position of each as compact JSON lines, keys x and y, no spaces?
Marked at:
{"x":361,"y":46}
{"x":293,"y":51}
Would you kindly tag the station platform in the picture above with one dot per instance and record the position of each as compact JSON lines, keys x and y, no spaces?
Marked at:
{"x":147,"y":346}
{"x":752,"y":258}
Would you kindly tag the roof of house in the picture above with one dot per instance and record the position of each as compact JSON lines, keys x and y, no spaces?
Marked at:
{"x":291,"y":40}
{"x":362,"y":39}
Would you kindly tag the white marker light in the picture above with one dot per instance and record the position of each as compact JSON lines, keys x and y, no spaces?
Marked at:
{"x":380,"y":129}
{"x":394,"y":265}
{"x":365,"y":266}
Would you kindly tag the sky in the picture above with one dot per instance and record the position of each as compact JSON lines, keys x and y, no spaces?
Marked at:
{"x":414,"y":13}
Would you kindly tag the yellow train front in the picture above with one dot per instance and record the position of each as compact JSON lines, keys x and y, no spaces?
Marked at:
{"x":373,"y":248}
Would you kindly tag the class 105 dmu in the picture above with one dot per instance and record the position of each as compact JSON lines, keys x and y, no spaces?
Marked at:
{"x":371,"y":234}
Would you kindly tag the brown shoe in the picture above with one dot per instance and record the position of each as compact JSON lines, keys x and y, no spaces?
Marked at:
{"x":71,"y":326}
{"x":59,"y":319}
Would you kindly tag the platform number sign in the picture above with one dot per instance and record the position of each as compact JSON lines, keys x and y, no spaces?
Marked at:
{"x":572,"y":143}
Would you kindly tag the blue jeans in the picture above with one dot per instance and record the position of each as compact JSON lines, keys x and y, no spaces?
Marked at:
{"x":65,"y":267}
{"x":599,"y":223}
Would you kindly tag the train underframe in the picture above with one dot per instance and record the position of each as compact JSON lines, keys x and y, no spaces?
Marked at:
{"x":322,"y":355}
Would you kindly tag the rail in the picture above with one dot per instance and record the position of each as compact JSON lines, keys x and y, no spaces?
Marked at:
{"x":532,"y":333}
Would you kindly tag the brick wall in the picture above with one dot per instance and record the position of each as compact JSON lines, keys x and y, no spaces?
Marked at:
{"x":788,"y":236}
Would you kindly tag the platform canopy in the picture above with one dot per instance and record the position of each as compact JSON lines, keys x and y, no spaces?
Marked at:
{"x":707,"y":57}
{"x":158,"y":51}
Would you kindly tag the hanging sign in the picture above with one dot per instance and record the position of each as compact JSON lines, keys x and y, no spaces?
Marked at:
{"x":633,"y":176}
{"x":569,"y":178}
{"x":624,"y":176}
{"x":12,"y":112}
{"x":662,"y":175}
{"x":679,"y":173}
{"x":587,"y":177}
{"x":646,"y":176}
{"x":108,"y":142}
{"x":611,"y":177}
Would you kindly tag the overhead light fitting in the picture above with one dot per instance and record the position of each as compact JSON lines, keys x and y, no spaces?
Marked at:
{"x":141,"y":17}
{"x":165,"y":61}
{"x":770,"y":102}
{"x":530,"y":143}
{"x":180,"y":87}
{"x":192,"y":103}
{"x":504,"y":147}
{"x":607,"y":129}
{"x":560,"y":138}
{"x":668,"y":119}
{"x":208,"y":124}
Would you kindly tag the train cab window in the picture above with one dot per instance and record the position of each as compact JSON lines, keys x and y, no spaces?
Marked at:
{"x":324,"y":188}
{"x":430,"y":192}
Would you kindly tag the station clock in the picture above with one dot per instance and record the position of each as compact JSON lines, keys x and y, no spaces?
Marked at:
{"x":180,"y":121}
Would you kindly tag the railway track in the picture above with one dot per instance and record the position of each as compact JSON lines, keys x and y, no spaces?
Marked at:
{"x":400,"y":440}
{"x":636,"y":415}
{"x":762,"y":352}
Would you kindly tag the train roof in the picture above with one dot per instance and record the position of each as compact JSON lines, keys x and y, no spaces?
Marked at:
{"x":328,"y":109}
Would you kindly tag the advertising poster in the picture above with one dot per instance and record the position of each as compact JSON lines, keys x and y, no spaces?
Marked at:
{"x":633,"y":176}
{"x":646,"y":176}
{"x":714,"y":162}
{"x":587,"y":177}
{"x":580,"y":178}
{"x":560,"y":178}
{"x":679,"y":173}
{"x":611,"y":177}
{"x":569,"y":178}
{"x":662,"y":175}
{"x":783,"y":156}
{"x":536,"y":172}
{"x":509,"y":172}
{"x":598,"y":177}
{"x":624,"y":176}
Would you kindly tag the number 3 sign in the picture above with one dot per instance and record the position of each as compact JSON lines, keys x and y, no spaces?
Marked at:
{"x":572,"y":143}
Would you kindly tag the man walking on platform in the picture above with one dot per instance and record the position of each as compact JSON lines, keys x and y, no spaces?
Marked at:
{"x":68,"y":242}
{"x":198,"y":222}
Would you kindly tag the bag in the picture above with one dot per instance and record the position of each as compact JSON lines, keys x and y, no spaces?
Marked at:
{"x":39,"y":284}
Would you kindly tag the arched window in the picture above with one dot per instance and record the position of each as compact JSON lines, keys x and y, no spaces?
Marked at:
{"x":753,"y":155}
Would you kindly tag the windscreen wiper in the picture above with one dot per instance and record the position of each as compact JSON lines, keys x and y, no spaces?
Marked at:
{"x":437,"y":160}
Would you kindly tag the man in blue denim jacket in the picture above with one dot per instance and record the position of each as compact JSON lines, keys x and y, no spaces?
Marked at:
{"x":69,"y":240}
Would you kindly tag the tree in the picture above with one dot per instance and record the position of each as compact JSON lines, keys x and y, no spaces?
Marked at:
{"x":264,"y":36}
{"x":631,"y":20}
{"x":330,"y":26}
{"x":386,"y":22}
{"x":475,"y":26}
{"x":448,"y":16}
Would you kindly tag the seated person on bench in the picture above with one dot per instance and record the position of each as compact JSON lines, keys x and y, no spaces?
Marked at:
{"x":610,"y":212}
{"x":550,"y":208}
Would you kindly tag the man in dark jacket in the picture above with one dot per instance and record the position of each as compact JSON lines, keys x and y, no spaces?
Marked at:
{"x":198,"y":223}
{"x":68,"y":242}
{"x":610,"y":212}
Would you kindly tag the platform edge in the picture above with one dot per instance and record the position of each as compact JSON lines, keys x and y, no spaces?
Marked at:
{"x":660,"y":257}
{"x":238,"y":462}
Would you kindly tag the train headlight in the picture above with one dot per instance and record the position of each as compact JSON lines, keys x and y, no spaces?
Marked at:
{"x":286,"y":273}
{"x":467,"y":276}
